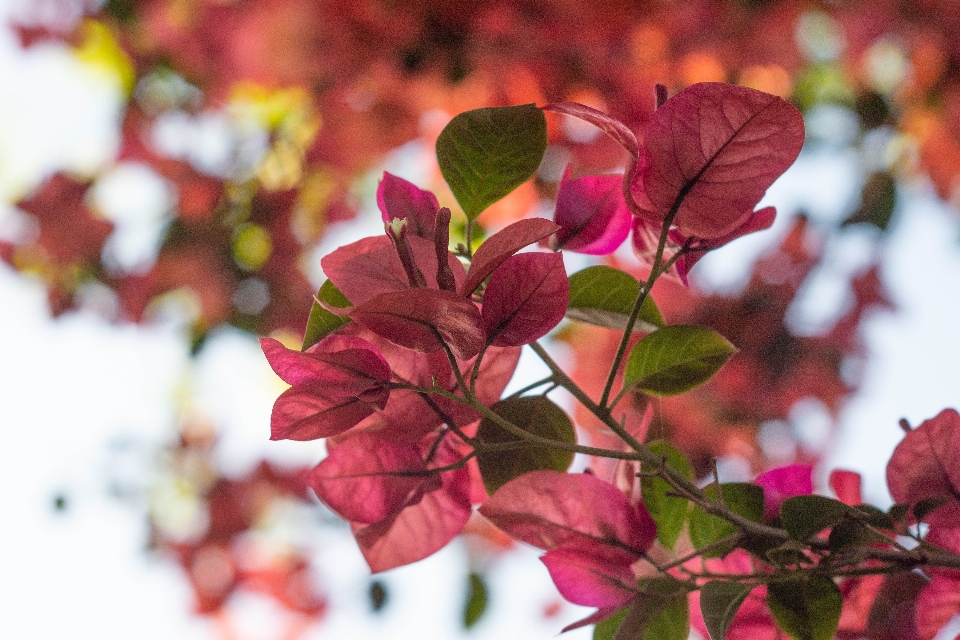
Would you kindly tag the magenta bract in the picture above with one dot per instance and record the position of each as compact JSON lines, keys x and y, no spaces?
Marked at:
{"x":592,"y":214}
{"x":399,"y":199}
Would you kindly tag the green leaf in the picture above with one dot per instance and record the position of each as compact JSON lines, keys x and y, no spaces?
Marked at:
{"x":804,"y":516}
{"x":476,"y":604}
{"x":719,"y":602}
{"x":605,"y":296}
{"x":536,"y":415}
{"x":321,"y":322}
{"x":672,"y":623}
{"x":669,"y":512}
{"x":485,"y":154}
{"x":675,"y":359}
{"x":740,"y":497}
{"x":806,"y":608}
{"x":607,"y":629}
{"x":850,"y":532}
{"x":872,"y":516}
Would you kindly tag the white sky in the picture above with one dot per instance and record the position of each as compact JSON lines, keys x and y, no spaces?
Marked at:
{"x":73,"y":391}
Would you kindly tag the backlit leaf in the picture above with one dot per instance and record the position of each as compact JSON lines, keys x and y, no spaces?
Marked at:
{"x":321,"y":322}
{"x":484,"y":154}
{"x":534,"y":414}
{"x":669,"y":512}
{"x":675,"y":359}
{"x":806,"y":608}
{"x":604,"y":296}
{"x":740,"y":497}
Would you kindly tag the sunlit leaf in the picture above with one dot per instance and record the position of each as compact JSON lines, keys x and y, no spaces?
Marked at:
{"x":604,"y":296}
{"x":485,"y":154}
{"x":675,"y":359}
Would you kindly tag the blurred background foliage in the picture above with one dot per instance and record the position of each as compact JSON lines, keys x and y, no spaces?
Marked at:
{"x":259,"y":125}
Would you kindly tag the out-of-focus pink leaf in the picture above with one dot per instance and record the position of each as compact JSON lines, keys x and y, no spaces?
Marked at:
{"x":355,"y":478}
{"x":924,"y":466}
{"x":306,"y":412}
{"x":371,"y":266}
{"x":345,"y":365}
{"x":591,"y":580}
{"x":553,"y":510}
{"x":592,"y":214}
{"x":398,"y":198}
{"x":711,"y":151}
{"x":419,"y":319}
{"x":421,"y":529}
{"x":609,"y":125}
{"x":497,"y":248}
{"x":937,"y":603}
{"x":525,"y":298}
{"x":846,"y":486}
{"x":782,"y":483}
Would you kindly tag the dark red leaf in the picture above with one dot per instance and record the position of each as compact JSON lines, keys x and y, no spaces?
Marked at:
{"x":307,"y":412}
{"x":711,"y":152}
{"x":924,"y":466}
{"x":503,"y":244}
{"x":398,"y":198}
{"x":355,"y":478}
{"x":420,"y":319}
{"x":591,"y":580}
{"x":525,"y":298}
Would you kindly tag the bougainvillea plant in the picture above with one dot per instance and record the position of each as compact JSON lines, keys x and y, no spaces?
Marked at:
{"x":410,"y":346}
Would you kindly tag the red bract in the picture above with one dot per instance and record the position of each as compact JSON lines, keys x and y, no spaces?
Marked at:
{"x":782,"y":483}
{"x":399,"y":199}
{"x":371,"y":266}
{"x":710,"y":152}
{"x":592,"y":214}
{"x":496,"y":249}
{"x":336,"y":383}
{"x":937,"y":603}
{"x":924,"y":466}
{"x":525,"y":298}
{"x":423,"y":320}
{"x":593,"y":524}
{"x":359,"y":478}
{"x":846,"y":485}
{"x":426,"y":524}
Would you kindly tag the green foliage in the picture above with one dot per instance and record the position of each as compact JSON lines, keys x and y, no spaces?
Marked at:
{"x":742,"y":498}
{"x":536,"y":415}
{"x":804,"y":516}
{"x":660,"y":612}
{"x":604,"y":296}
{"x":485,"y":154}
{"x":675,"y":359}
{"x":719,"y":602}
{"x":806,"y":608}
{"x":321,"y":322}
{"x":669,"y":512}
{"x":476,"y":604}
